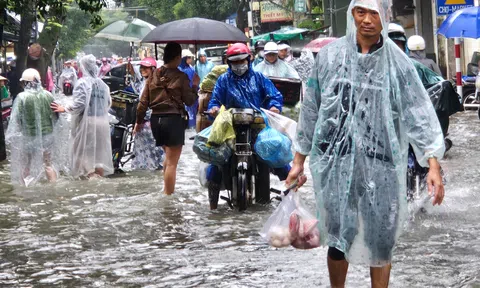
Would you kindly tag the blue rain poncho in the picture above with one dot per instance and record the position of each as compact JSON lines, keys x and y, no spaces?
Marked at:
{"x":251,"y":90}
{"x":279,"y":69}
{"x":191,"y":110}
{"x":257,"y":61}
{"x":359,"y":114}
{"x":202,"y":69}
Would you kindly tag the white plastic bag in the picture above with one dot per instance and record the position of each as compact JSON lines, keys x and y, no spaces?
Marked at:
{"x":291,"y":224}
{"x":282,"y":124}
{"x":202,"y":174}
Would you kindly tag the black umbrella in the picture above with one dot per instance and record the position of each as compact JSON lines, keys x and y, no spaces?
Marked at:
{"x":196,"y":31}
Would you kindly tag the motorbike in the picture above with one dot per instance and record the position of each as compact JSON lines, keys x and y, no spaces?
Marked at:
{"x":6,"y":107}
{"x":245,"y":175}
{"x":67,"y":88}
{"x":122,"y":120}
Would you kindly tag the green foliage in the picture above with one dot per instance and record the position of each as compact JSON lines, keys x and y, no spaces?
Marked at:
{"x":310,"y":24}
{"x":77,"y":31}
{"x":169,"y":10}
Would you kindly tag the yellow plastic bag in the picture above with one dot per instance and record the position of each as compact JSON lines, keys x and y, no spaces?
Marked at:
{"x":222,"y":128}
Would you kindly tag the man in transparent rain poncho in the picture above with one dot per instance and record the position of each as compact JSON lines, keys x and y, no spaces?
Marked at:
{"x":364,"y":105}
{"x":90,"y":144}
{"x":31,"y":132}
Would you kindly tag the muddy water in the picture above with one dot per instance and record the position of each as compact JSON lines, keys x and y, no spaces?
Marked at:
{"x":122,"y":232}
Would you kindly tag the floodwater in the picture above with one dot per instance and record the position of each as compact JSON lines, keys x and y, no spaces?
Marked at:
{"x":122,"y":232}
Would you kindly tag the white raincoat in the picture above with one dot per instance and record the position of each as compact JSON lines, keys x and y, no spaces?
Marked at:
{"x":90,"y":137}
{"x":31,"y":136}
{"x":359,"y":114}
{"x":278,"y":69}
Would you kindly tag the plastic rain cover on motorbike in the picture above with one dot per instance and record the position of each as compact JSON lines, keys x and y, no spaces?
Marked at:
{"x":278,"y":69}
{"x":252,"y":90}
{"x":359,"y":114}
{"x":31,"y":136}
{"x":90,"y":137}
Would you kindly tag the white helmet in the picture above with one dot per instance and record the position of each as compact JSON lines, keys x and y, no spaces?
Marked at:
{"x":30,"y":75}
{"x":416,"y":43}
{"x":395,"y":28}
{"x":271,"y":47}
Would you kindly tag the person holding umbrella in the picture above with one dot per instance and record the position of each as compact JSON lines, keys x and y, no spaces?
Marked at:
{"x":167,"y":92}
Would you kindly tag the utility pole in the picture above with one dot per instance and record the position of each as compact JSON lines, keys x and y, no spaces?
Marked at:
{"x":3,"y":151}
{"x":333,"y":24}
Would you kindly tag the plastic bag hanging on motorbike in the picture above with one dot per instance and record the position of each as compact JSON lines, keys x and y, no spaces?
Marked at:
{"x":222,"y":128}
{"x":273,"y":147}
{"x":281,"y":123}
{"x":213,"y":154}
{"x":291,"y":224}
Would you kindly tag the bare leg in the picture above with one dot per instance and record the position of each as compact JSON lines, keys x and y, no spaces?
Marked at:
{"x":170,"y":168}
{"x":51,"y":174}
{"x":380,"y":276}
{"x":337,"y":270}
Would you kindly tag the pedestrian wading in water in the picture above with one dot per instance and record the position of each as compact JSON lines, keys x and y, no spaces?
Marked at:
{"x":90,"y":144}
{"x":364,"y":105}
{"x":166,"y":93}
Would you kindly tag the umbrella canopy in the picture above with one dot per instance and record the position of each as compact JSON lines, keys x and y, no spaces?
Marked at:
{"x":196,"y":31}
{"x":286,"y":33}
{"x":129,"y":31}
{"x":318,"y":44}
{"x":464,"y":23}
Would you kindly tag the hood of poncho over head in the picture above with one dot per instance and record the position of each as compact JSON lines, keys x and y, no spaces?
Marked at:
{"x":88,"y":66}
{"x":381,"y":6}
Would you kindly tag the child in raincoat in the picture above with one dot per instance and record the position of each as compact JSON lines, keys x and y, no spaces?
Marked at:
{"x":30,"y":133}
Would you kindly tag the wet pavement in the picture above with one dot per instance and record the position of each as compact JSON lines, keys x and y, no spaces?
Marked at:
{"x":122,"y":232}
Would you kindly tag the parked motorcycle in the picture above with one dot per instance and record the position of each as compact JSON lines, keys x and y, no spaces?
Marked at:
{"x":122,"y":120}
{"x":6,"y":108}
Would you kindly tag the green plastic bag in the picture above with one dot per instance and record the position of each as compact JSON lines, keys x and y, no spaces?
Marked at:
{"x":222,"y":128}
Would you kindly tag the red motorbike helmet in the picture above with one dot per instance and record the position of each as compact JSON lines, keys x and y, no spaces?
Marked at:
{"x":148,"y":62}
{"x":237,"y":52}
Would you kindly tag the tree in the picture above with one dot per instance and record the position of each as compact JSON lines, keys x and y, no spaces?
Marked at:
{"x":53,"y":12}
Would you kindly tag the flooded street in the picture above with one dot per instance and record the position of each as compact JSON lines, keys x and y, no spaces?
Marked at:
{"x":122,"y":232}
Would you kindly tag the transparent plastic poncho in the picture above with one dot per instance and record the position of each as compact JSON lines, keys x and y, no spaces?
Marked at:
{"x":32,"y":137}
{"x":279,"y":69}
{"x":359,"y":114}
{"x":90,"y":144}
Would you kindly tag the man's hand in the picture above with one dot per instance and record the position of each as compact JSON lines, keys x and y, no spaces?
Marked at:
{"x":137,"y":128}
{"x":213,"y":111}
{"x":297,"y":171}
{"x":435,"y":182}
{"x":57,"y":108}
{"x":275,"y":110}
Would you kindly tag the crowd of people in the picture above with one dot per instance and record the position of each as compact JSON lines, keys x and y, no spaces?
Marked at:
{"x":364,"y":104}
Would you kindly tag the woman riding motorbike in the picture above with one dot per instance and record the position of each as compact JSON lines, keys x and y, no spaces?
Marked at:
{"x":241,"y":87}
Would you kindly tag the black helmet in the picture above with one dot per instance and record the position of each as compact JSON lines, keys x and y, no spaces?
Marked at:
{"x":260,"y":44}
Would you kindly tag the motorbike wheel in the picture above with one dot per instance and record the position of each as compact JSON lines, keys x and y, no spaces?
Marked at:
{"x":118,"y":138}
{"x":262,"y":184}
{"x":242,"y":190}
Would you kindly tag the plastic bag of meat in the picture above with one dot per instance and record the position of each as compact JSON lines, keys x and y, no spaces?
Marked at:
{"x":291,"y":224}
